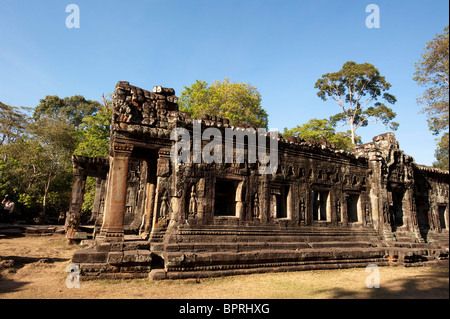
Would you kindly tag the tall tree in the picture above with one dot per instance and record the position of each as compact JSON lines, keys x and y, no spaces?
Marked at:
{"x":432,"y":72}
{"x":36,"y":171}
{"x":94,"y":142}
{"x":12,"y":123}
{"x":20,"y":173}
{"x":94,"y":132}
{"x":238,"y":102}
{"x":441,"y":154}
{"x":73,"y":108}
{"x":35,"y":153}
{"x":57,"y":139}
{"x":356,"y":88}
{"x":322,"y":129}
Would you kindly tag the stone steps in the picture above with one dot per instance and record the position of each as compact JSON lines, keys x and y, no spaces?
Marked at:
{"x":191,"y":261}
{"x":249,"y":246}
{"x":219,"y":251}
{"x":265,"y":258}
{"x":233,"y":235}
{"x":408,"y":244}
{"x":219,"y":271}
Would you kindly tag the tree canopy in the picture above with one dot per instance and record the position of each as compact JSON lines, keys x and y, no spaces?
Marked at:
{"x":73,"y":108}
{"x":94,"y":132}
{"x":357,"y":88}
{"x":94,"y":142}
{"x":238,"y":102}
{"x":12,"y":123}
{"x":322,"y":129}
{"x":36,"y":151}
{"x":432,"y":72}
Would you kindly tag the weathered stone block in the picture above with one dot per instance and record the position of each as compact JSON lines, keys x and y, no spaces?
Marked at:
{"x":130,"y":256}
{"x":144,"y":256}
{"x":115,"y":257}
{"x":134,"y":245}
{"x":103,"y":247}
{"x":80,"y":235}
{"x":89,"y":256}
{"x":116,"y":246}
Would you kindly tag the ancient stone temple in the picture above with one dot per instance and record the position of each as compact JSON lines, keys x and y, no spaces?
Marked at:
{"x":163,"y":210}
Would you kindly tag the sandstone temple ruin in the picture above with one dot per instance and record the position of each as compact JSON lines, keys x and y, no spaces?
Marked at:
{"x":320,"y":208}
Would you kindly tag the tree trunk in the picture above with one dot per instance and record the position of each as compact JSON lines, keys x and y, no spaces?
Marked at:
{"x":352,"y":128}
{"x":44,"y":201}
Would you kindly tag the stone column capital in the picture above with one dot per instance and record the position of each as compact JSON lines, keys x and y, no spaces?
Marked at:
{"x":122,"y":149}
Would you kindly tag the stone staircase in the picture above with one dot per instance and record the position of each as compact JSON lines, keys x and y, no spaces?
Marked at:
{"x":412,"y":250}
{"x":219,"y":251}
{"x":194,"y":252}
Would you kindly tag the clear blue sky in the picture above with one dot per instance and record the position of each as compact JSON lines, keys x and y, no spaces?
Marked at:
{"x":281,"y":47}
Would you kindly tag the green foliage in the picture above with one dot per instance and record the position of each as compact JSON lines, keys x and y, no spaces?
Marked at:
{"x":89,"y":195}
{"x":73,"y":108}
{"x":238,"y":102}
{"x":317,"y":130}
{"x":432,"y":72}
{"x":94,"y":132}
{"x":356,"y":88}
{"x":12,"y":123}
{"x":33,"y":166}
{"x":94,"y":142}
{"x":35,"y":153}
{"x":441,"y":153}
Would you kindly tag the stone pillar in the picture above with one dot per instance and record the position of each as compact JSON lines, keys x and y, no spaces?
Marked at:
{"x":240,"y":201}
{"x":73,"y":216}
{"x":344,"y":202}
{"x":112,"y":228}
{"x":97,"y":199}
{"x":264,"y":199}
{"x":148,"y":213}
{"x":200,"y":200}
{"x":98,"y":221}
{"x":376,"y":194}
{"x":333,"y":209}
{"x":308,"y":205}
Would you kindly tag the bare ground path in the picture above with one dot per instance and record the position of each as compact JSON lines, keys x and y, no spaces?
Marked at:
{"x":35,"y":268}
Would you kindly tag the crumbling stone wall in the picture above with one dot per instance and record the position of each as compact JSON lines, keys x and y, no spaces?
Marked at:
{"x":82,"y":168}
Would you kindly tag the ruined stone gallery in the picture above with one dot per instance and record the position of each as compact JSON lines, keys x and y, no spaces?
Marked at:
{"x":317,"y":208}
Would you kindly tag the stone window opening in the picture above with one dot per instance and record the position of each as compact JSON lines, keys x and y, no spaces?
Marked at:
{"x":321,"y":205}
{"x":281,"y":202}
{"x":225,"y":198}
{"x":442,"y":211}
{"x":149,"y":205}
{"x":396,"y":208}
{"x":354,"y":208}
{"x":301,"y":172}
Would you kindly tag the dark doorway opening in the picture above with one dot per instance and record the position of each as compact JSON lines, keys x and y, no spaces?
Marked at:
{"x":225,"y":198}
{"x":352,"y":208}
{"x":442,"y":219}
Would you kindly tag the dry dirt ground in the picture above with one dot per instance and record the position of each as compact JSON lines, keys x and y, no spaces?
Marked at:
{"x":35,"y":268}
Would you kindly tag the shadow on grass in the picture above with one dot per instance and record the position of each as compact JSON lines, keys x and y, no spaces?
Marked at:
{"x":18,"y":262}
{"x":433,"y":285}
{"x":9,"y":285}
{"x":12,"y":263}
